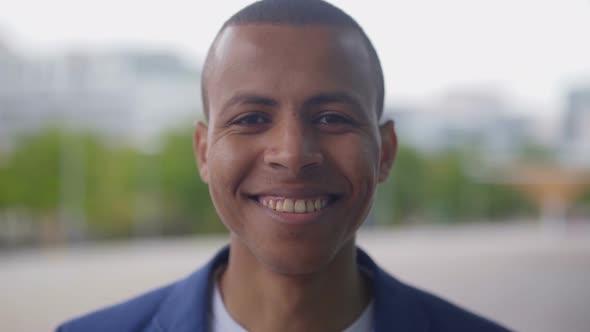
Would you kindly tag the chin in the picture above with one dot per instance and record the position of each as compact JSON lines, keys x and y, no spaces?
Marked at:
{"x":299,"y":261}
{"x":296,"y":266}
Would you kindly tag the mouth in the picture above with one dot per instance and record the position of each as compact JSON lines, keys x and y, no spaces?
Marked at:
{"x":300,"y":205}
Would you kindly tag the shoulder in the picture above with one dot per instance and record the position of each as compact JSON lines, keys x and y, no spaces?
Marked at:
{"x":182,"y":305}
{"x":443,"y":315}
{"x":132,"y":315}
{"x":401,"y":307}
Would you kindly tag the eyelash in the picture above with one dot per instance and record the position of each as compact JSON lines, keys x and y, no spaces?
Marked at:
{"x":340,"y":119}
{"x":243,"y":120}
{"x":324,"y":119}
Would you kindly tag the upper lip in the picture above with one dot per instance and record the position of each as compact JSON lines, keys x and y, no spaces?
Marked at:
{"x":295,"y":191}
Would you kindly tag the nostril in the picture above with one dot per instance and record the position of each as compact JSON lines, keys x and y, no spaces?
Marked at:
{"x":294,"y":161}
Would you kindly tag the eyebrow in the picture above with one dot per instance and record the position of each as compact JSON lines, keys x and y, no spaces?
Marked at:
{"x":334,"y":97}
{"x":314,"y":101}
{"x":249,"y":99}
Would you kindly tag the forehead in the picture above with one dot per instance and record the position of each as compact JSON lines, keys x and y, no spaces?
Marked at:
{"x":325,"y":37}
{"x":275,"y":59}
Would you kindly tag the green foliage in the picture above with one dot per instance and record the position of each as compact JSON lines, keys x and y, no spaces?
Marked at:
{"x":438,"y":188}
{"x":186,"y":197}
{"x":111,"y":189}
{"x":537,"y":153}
{"x":30,"y":174}
{"x":120,"y":190}
{"x":583,"y":203}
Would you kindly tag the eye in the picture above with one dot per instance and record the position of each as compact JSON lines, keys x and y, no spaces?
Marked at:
{"x":333,"y":119}
{"x":251,"y":119}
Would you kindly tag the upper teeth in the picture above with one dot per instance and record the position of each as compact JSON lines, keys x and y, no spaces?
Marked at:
{"x":295,"y":205}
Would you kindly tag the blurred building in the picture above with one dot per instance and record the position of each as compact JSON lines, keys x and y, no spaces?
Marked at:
{"x":465,"y":119}
{"x":123,"y":95}
{"x":575,"y":147}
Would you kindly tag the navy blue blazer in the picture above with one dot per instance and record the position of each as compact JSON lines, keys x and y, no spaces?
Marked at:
{"x":184,"y":307}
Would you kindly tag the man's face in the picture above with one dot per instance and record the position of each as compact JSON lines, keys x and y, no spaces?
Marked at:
{"x":293,"y":150}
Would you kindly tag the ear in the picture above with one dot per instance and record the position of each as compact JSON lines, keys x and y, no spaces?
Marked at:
{"x":200,"y":147}
{"x":388,"y":149}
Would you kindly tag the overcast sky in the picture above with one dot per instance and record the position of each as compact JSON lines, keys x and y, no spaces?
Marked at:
{"x":530,"y":49}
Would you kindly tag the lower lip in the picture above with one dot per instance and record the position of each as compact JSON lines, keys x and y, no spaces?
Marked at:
{"x":292,"y":218}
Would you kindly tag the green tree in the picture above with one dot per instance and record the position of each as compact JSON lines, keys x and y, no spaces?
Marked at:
{"x":187,"y":205}
{"x":30,"y":174}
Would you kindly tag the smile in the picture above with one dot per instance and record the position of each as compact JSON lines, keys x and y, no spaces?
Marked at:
{"x":292,"y":205}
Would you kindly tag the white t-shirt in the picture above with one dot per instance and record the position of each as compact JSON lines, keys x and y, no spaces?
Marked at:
{"x":221,"y":321}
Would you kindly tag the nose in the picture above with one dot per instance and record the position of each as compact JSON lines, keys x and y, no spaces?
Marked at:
{"x":293,"y":148}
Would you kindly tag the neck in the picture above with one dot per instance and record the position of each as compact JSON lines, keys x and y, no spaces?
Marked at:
{"x":261,"y":299}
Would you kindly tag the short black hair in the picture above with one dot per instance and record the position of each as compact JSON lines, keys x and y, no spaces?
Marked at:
{"x":298,"y":13}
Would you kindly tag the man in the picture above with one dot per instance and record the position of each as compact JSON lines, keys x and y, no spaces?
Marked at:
{"x":292,"y":153}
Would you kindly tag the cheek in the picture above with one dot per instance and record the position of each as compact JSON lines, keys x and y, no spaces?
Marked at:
{"x":229,"y":161}
{"x":228,"y":166}
{"x":358,"y":159}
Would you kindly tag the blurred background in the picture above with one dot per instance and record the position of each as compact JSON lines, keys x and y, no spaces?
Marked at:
{"x":100,"y":198}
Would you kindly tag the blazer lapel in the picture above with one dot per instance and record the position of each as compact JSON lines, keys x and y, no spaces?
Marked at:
{"x":187,"y":308}
{"x":395,"y":308}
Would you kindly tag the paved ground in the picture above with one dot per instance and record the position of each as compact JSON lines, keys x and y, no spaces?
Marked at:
{"x":524,"y":277}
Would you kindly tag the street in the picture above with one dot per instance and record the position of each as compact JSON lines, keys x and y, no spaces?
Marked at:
{"x":523,"y":276}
